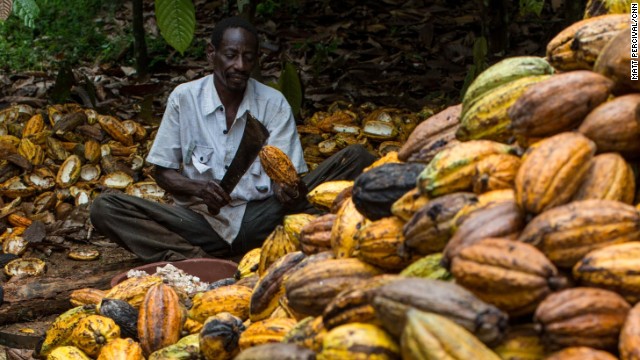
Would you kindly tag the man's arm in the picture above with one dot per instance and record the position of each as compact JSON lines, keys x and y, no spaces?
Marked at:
{"x":209,"y":191}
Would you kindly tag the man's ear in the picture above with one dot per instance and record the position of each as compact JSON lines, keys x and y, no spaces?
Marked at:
{"x":211,"y":51}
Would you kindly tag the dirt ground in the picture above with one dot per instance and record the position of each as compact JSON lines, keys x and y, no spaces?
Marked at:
{"x":23,"y":334}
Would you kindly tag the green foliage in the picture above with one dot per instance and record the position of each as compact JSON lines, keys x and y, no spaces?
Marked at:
{"x":290,"y":86}
{"x":67,"y":31}
{"x":177,"y":22}
{"x":27,"y":10}
{"x":531,"y":7}
{"x":266,"y":8}
{"x":480,"y":64}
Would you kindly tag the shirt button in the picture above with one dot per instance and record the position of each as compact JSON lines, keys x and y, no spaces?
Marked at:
{"x":226,"y":167}
{"x":201,"y":158}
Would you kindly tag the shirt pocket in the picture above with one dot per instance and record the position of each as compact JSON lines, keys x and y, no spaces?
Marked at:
{"x":202,"y":158}
{"x":260,"y":181}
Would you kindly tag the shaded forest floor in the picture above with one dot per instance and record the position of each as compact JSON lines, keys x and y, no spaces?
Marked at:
{"x":400,"y":53}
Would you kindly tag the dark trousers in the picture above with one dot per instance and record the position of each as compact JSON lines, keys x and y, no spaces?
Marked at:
{"x":161,"y":232}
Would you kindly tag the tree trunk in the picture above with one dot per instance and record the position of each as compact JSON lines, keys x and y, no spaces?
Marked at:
{"x":33,"y":297}
{"x":139,"y":42}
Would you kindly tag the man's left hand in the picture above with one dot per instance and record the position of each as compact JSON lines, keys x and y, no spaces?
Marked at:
{"x":289,"y":195}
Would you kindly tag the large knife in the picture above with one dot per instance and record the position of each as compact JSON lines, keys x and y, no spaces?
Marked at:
{"x":253,"y":139}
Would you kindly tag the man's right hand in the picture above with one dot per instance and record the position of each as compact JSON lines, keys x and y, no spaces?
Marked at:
{"x":214,"y":197}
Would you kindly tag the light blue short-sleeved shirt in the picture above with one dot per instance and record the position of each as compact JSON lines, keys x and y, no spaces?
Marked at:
{"x":193,"y":137}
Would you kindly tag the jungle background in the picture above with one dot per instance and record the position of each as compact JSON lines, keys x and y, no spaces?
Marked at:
{"x":400,"y":53}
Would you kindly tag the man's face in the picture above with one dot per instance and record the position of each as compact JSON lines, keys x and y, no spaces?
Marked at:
{"x":234,"y":60}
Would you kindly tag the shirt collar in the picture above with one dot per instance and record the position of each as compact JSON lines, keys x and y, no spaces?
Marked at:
{"x":209,"y":107}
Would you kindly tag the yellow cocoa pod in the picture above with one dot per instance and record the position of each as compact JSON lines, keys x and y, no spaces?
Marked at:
{"x":187,"y":347}
{"x":629,"y":345}
{"x":432,"y":336}
{"x":274,"y":247}
{"x":115,"y":129}
{"x":390,"y":157}
{"x":552,"y":170}
{"x":270,"y":288}
{"x":580,"y":353}
{"x":487,"y":118}
{"x":133,"y":290}
{"x":347,"y":221}
{"x":60,"y":331}
{"x":453,"y":168}
{"x":609,"y":178}
{"x":427,"y":267}
{"x":512,"y":275}
{"x":378,"y":243}
{"x":234,"y":299}
{"x":577,"y":46}
{"x":602,"y":7}
{"x":86,"y":296}
{"x":161,"y":318}
{"x":358,"y":341}
{"x":249,"y":263}
{"x":67,"y":353}
{"x":33,"y":126}
{"x":408,"y":204}
{"x":307,"y":333}
{"x":219,"y":336}
{"x":521,"y":342}
{"x":265,"y":331}
{"x":567,"y":318}
{"x":294,"y":223}
{"x":323,"y":195}
{"x":612,"y":267}
{"x":495,"y":172}
{"x":93,"y":332}
{"x":566,"y":233}
{"x":278,"y":166}
{"x":121,"y":349}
